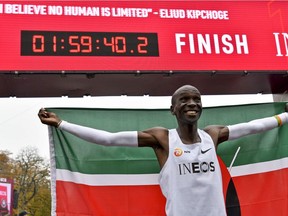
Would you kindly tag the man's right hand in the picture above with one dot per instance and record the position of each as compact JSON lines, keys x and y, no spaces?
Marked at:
{"x":48,"y":118}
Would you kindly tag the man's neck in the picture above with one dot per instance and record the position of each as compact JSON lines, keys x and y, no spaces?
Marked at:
{"x":189,"y":134}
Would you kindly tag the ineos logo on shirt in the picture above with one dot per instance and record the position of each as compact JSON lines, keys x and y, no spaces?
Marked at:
{"x":196,"y":167}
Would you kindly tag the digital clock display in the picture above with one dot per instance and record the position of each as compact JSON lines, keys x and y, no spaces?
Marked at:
{"x":60,"y":43}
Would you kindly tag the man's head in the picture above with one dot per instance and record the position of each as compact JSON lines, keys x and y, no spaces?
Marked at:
{"x":186,"y":104}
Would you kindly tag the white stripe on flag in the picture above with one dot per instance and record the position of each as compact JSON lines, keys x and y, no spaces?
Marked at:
{"x":107,"y":179}
{"x":262,"y":167}
{"x":152,"y":179}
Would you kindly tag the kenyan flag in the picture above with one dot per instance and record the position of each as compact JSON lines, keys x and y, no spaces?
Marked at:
{"x":89,"y":179}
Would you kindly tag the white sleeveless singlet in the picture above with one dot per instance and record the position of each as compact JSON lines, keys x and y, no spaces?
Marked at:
{"x":191,"y":178}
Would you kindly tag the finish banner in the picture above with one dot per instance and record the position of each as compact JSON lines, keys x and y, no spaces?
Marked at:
{"x":89,"y":179}
{"x":144,"y":35}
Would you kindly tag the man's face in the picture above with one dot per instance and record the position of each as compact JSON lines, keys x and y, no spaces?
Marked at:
{"x":187,"y":105}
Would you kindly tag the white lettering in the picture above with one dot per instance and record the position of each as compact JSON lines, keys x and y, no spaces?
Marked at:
{"x":207,"y":14}
{"x":172,"y":13}
{"x":276,"y":36}
{"x":81,"y":11}
{"x":191,"y":43}
{"x":212,"y":44}
{"x":280,"y":48}
{"x":179,"y":43}
{"x":131,"y":12}
{"x":25,"y":9}
{"x":226,"y":41}
{"x":105,"y":11}
{"x":204,"y":43}
{"x":216,"y":43}
{"x":55,"y":10}
{"x":285,"y":38}
{"x":243,"y":43}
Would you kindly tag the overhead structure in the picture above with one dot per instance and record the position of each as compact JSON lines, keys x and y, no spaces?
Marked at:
{"x":104,"y":48}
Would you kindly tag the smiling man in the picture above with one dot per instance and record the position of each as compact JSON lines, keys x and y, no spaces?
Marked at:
{"x":190,"y":176}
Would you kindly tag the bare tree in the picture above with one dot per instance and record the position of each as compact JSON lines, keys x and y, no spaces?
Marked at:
{"x":32,"y":180}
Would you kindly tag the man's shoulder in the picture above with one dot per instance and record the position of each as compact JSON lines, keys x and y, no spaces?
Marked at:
{"x":156,"y":130}
{"x":159,"y":129}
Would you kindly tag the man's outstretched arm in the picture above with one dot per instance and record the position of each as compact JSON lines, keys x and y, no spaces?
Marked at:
{"x":257,"y":126}
{"x":223,"y":133}
{"x":236,"y":131}
{"x":101,"y":137}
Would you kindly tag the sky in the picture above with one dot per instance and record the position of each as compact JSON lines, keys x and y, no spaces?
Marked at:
{"x":20,"y":126}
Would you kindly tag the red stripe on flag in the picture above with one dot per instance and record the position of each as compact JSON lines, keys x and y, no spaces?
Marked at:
{"x":80,"y":200}
{"x":263,"y":194}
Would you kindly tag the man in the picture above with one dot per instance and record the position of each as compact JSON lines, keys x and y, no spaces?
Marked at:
{"x":194,"y":193}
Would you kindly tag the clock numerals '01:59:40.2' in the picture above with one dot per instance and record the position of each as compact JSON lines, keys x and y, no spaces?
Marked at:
{"x":58,"y":43}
